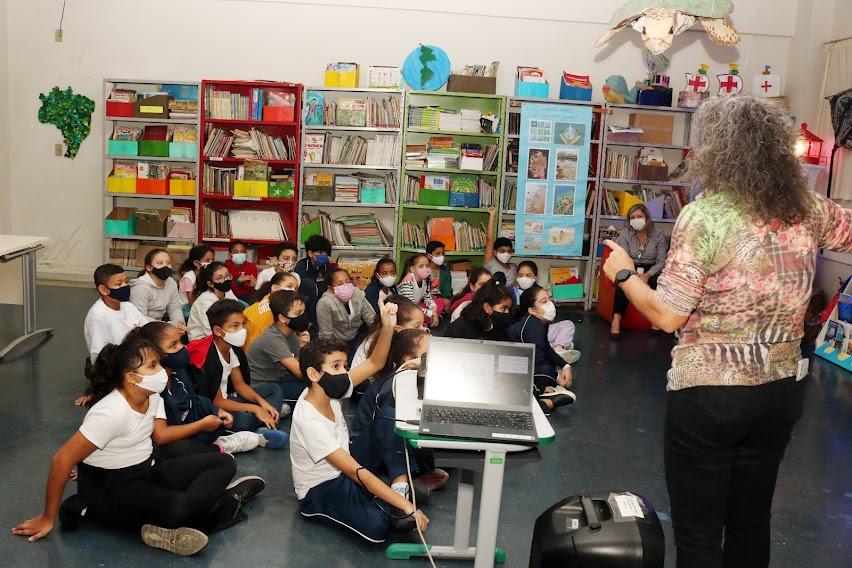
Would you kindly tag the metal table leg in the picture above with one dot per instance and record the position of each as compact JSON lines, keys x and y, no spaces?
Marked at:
{"x":32,"y":337}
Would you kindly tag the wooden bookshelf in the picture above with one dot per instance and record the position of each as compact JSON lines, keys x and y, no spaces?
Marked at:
{"x":252,"y":113}
{"x":340,"y":130}
{"x":415,"y":213}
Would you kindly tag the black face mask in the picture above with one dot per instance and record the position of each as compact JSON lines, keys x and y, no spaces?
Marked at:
{"x":335,"y":386}
{"x":163,"y":272}
{"x":299,"y":323}
{"x":222,"y":286}
{"x":121,"y":294}
{"x":177,"y":360}
{"x":501,"y":320}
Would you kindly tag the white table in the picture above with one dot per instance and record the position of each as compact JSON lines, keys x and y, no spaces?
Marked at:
{"x":18,"y":262}
{"x":485,"y":552}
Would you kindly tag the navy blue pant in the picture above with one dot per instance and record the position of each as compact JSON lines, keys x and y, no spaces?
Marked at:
{"x":291,"y":387}
{"x":342,"y":502}
{"x":246,"y":421}
{"x":379,"y":449}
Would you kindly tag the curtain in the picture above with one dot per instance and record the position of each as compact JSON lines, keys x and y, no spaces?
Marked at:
{"x":836,"y":78}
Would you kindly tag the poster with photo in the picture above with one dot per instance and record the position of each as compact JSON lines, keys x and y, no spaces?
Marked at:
{"x":552,"y":179}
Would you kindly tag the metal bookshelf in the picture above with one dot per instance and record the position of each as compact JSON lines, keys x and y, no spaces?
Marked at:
{"x":385,"y":213}
{"x":507,"y":210}
{"x":111,"y":200}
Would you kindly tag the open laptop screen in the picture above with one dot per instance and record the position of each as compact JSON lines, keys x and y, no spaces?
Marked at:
{"x":480,"y":372}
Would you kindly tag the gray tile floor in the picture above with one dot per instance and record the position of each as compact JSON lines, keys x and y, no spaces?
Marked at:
{"x":610,"y":440}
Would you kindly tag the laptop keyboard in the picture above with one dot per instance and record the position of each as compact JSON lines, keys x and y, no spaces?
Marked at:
{"x":477,"y":417}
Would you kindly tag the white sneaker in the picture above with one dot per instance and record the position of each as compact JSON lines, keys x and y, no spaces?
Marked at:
{"x":571,"y":356}
{"x":286,"y":410}
{"x":238,"y":442}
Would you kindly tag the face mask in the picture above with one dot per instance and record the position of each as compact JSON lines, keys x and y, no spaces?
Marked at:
{"x":222,"y":286}
{"x":524,"y":282}
{"x":177,"y":360}
{"x":501,"y":320}
{"x":205,"y":264}
{"x":299,"y":323}
{"x":424,"y":272}
{"x":154,"y":383}
{"x":548,"y":311}
{"x":344,"y":292}
{"x":163,"y":272}
{"x":504,"y":257}
{"x":121,"y":294}
{"x":238,"y":258}
{"x":438,"y":260}
{"x":637,"y":224}
{"x":286,"y":265}
{"x":387,"y":281}
{"x":335,"y":386}
{"x":322,"y":259}
{"x":236,"y":338}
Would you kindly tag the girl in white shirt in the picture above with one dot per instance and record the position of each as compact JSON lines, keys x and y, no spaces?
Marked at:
{"x":121,"y":484}
{"x":199,"y":257}
{"x":213,"y":284}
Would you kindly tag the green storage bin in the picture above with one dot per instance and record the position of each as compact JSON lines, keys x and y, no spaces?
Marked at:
{"x":372,"y":194}
{"x":433,"y":197}
{"x":123,"y":147}
{"x":282,"y":189}
{"x":567,"y":291}
{"x":156,"y":148}
{"x":120,"y":221}
{"x":183,"y":150}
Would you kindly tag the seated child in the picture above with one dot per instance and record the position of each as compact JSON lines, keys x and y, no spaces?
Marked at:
{"x":226,"y":379}
{"x":416,"y":286}
{"x":488,"y":316}
{"x":313,"y":270}
{"x":382,"y":284}
{"x":199,"y":257}
{"x":442,"y":280}
{"x":476,"y":279}
{"x":408,"y":316}
{"x":175,"y":502}
{"x":498,"y":252}
{"x":258,"y":317}
{"x":343,"y":310}
{"x":243,"y":272}
{"x":213,"y":284}
{"x":155,"y":292}
{"x":274,"y":356}
{"x":284,"y":256}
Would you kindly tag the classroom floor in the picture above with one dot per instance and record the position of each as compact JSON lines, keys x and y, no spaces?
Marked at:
{"x":610,"y":440}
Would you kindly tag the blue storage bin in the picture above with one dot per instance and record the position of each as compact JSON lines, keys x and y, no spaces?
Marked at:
{"x":458,"y":199}
{"x":657,"y":96}
{"x":570,"y":93}
{"x":527,"y":89}
{"x":123,"y":147}
{"x":183,"y":150}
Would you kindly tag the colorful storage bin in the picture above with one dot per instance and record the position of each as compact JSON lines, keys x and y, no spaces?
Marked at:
{"x":152,"y":186}
{"x":567,"y":291}
{"x":183,"y":150}
{"x":123,"y":147}
{"x":459,"y":199}
{"x":279,"y":113}
{"x":116,"y":108}
{"x":120,"y":221}
{"x":342,"y":78}
{"x":121,"y":184}
{"x":156,"y":148}
{"x":247,"y":188}
{"x":184,"y":187}
{"x":433,"y":197}
{"x":528,"y":89}
{"x":151,"y":222}
{"x":156,"y":106}
{"x":318,"y":193}
{"x":282,"y":189}
{"x":372,"y":194}
{"x":571,"y":93}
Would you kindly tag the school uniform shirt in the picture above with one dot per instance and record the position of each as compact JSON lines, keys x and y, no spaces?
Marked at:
{"x":198,"y":324}
{"x":227,"y":366}
{"x":156,"y":302}
{"x":122,"y":435}
{"x":375,"y":294}
{"x":215,"y":372}
{"x":361,"y":353}
{"x":494,"y":265}
{"x":266,"y":353}
{"x":312,"y":438}
{"x":186,"y":285}
{"x":334,"y":320}
{"x":530,"y":329}
{"x":245,"y":269}
{"x":312,"y":284}
{"x":104,"y":325}
{"x":258,"y":317}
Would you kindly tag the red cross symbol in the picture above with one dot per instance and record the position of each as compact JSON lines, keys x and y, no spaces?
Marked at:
{"x":728,"y":84}
{"x":766,"y":86}
{"x":697,"y":82}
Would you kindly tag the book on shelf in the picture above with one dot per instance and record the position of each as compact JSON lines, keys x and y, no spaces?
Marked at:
{"x":215,"y":223}
{"x":344,"y":149}
{"x":185,"y":134}
{"x":510,"y":194}
{"x":124,"y":169}
{"x":348,"y":149}
{"x":469,"y":237}
{"x":360,"y":230}
{"x":314,"y":148}
{"x":451,"y":120}
{"x":346,"y":189}
{"x":119,"y":95}
{"x":121,"y":132}
{"x":123,"y":252}
{"x":219,"y":181}
{"x":351,"y":112}
{"x":255,"y":143}
{"x":157,"y":132}
{"x":234,"y":106}
{"x":315,"y":110}
{"x":257,"y":225}
{"x":413,"y":235}
{"x":507,"y":229}
{"x":181,"y":173}
{"x":218,"y":143}
{"x":530,"y":74}
{"x":382,"y":150}
{"x":152,"y":170}
{"x":416,"y":155}
{"x":513,"y":124}
{"x":253,"y":170}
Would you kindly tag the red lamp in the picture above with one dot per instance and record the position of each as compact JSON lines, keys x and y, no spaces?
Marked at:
{"x":808,"y":145}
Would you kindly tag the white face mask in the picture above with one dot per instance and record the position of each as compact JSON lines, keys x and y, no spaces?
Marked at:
{"x":504,"y":257}
{"x":236,"y":338}
{"x":387,"y":281}
{"x":524,"y":282}
{"x":438,"y":260}
{"x":548,"y":311}
{"x":638,"y":224}
{"x":239,"y":258}
{"x":154,"y":383}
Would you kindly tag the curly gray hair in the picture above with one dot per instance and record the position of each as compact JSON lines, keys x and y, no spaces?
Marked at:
{"x":746,"y":152}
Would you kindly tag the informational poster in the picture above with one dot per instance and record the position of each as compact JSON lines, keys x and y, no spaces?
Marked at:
{"x":553,"y":172}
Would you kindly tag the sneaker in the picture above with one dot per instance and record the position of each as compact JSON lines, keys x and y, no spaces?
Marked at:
{"x":183,"y":540}
{"x":544,"y":408}
{"x":275,"y":439}
{"x":246,"y":487}
{"x":286,"y":410}
{"x":560,"y":397}
{"x":239,"y":442}
{"x":571,"y":356}
{"x":434,"y":480}
{"x":401,"y":522}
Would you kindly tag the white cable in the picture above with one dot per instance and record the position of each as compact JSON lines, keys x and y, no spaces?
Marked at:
{"x":414,"y":502}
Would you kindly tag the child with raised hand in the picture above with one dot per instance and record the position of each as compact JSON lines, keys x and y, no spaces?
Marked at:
{"x":442,"y":280}
{"x":552,"y":374}
{"x":186,"y":408}
{"x":213,"y":284}
{"x":332,"y":487}
{"x":284,"y":259}
{"x":258,"y":317}
{"x":416,"y":285}
{"x":199,"y":257}
{"x":343,"y":310}
{"x":498,"y":252}
{"x":243,"y":272}
{"x":226,"y":379}
{"x":408,"y":316}
{"x":121,"y":485}
{"x":476,"y":279}
{"x":382,"y":284}
{"x":488,"y":316}
{"x":155,"y":292}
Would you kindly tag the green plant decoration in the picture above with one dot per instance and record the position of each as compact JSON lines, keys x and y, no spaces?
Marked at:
{"x":70,"y":113}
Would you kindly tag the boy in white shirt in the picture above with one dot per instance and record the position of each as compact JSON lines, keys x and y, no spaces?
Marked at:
{"x":331,"y":485}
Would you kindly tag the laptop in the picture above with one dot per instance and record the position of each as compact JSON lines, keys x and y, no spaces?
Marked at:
{"x":479,"y":390}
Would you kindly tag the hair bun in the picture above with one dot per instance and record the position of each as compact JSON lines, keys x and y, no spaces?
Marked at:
{"x":499,"y":278}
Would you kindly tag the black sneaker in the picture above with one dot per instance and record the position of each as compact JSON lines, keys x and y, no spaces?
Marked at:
{"x":401,"y":522}
{"x":246,"y":487}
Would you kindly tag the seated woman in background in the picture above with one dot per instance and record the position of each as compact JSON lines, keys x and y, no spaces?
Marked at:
{"x":476,"y":279}
{"x":382,"y":284}
{"x":487,"y":316}
{"x":647,"y":246}
{"x":155,"y":292}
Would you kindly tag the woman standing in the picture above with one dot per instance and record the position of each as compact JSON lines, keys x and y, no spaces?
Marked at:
{"x":736,"y":284}
{"x":647,"y":246}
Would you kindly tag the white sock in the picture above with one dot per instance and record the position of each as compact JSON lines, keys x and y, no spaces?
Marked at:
{"x":401,"y":487}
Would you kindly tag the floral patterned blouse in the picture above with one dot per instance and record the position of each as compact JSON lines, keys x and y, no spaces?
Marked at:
{"x":745,"y":289}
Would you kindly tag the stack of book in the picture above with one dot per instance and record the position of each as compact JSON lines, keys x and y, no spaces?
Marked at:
{"x":123,"y":253}
{"x":218,"y":143}
{"x":346,"y":189}
{"x":259,"y":225}
{"x":621,"y":166}
{"x":424,"y":117}
{"x":215,"y":224}
{"x":350,"y":112}
{"x":469,"y":237}
{"x":413,"y":236}
{"x":382,"y":150}
{"x":219,"y":181}
{"x":412,"y":187}
{"x":486,"y":193}
{"x":470,"y":120}
{"x":258,"y":144}
{"x":450,"y":120}
{"x":442,"y":153}
{"x":383,"y":113}
{"x":510,"y":194}
{"x":346,"y":149}
{"x":416,"y":155}
{"x":471,"y":157}
{"x":233,"y":106}
{"x":365,"y":231}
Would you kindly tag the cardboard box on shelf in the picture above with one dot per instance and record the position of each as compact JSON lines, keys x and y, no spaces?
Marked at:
{"x":657,"y":128}
{"x":151,"y":222}
{"x":469,"y":84}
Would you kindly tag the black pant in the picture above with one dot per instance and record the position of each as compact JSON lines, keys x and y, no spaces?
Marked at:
{"x":185,"y":491}
{"x":620,"y":303}
{"x":723,"y":447}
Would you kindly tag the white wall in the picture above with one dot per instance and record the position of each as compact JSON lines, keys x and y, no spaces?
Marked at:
{"x":274,"y":39}
{"x":5,"y":178}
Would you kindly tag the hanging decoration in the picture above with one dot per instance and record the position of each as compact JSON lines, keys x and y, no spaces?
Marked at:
{"x":697,"y":88}
{"x":660,"y":20}
{"x":767,"y":84}
{"x":730,"y":83}
{"x":70,"y":113}
{"x":426,"y":68}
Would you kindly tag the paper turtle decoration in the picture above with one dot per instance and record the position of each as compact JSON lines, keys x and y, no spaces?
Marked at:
{"x":660,"y":20}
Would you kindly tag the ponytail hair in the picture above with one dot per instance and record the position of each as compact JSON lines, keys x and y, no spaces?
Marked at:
{"x":492,"y":294}
{"x":195,"y":253}
{"x":114,"y":361}
{"x":205,"y":277}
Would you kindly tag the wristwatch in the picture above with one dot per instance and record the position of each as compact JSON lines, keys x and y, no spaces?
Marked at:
{"x":622,"y":276}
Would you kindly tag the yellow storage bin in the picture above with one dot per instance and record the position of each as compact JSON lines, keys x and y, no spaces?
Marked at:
{"x":182,"y":187}
{"x":121,"y":184}
{"x":342,"y":78}
{"x":245,"y":188}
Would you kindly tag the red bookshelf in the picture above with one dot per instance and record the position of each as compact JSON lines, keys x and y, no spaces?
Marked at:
{"x":245,"y":114}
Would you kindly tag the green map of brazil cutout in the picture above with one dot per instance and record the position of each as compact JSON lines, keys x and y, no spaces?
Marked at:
{"x":70,"y":113}
{"x":426,"y":68}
